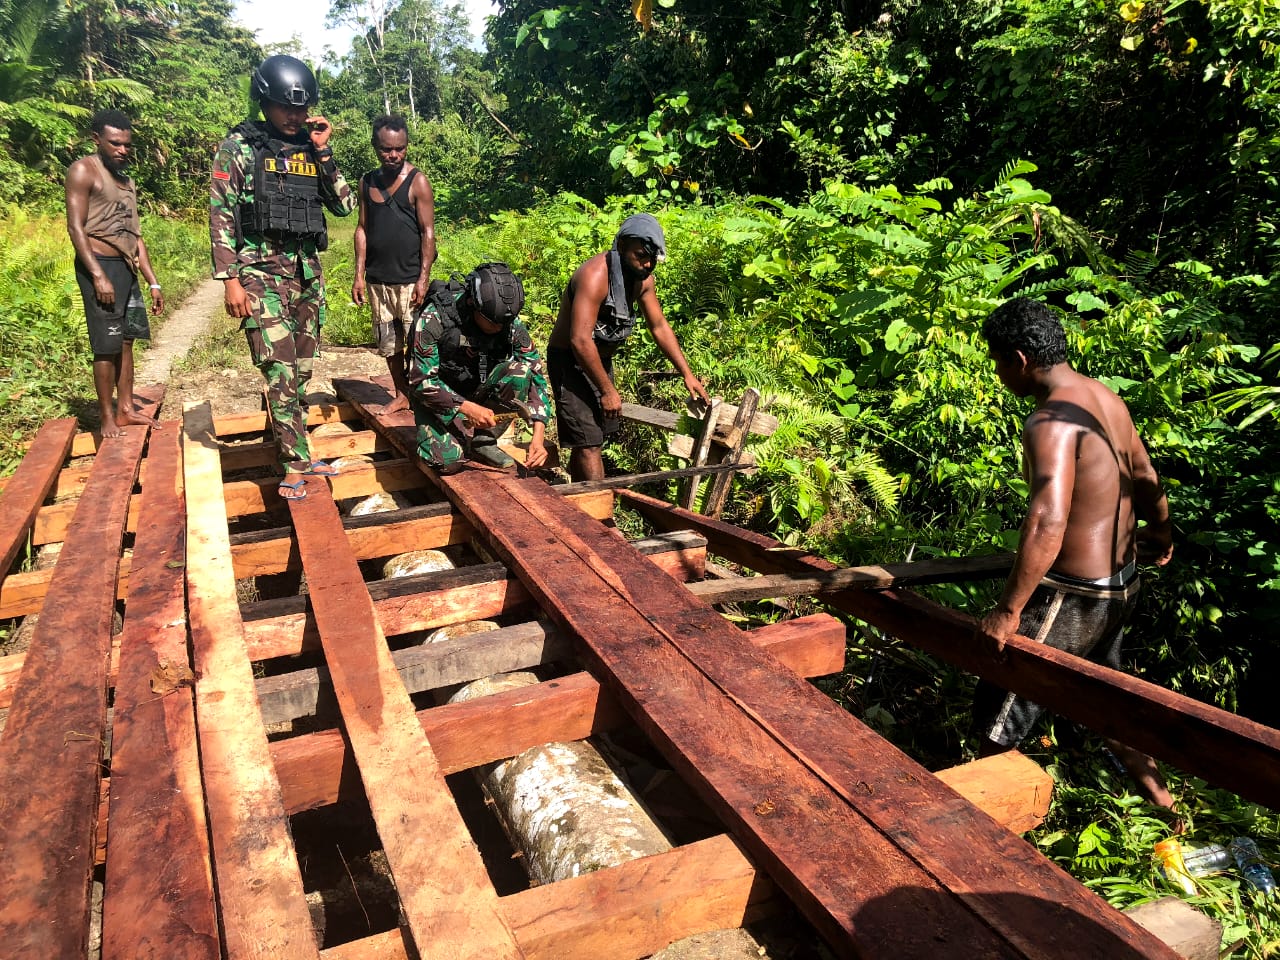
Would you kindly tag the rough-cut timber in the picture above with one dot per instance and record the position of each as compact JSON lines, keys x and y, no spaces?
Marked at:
{"x":1192,"y":735}
{"x":317,"y":768}
{"x":448,"y":899}
{"x":158,"y":901}
{"x":30,"y":484}
{"x":52,"y":747}
{"x":804,"y":785}
{"x":263,"y":909}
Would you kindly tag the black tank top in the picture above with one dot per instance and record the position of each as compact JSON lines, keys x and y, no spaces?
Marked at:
{"x":393,"y":239}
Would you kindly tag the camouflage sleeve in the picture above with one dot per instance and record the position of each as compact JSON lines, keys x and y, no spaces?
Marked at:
{"x":423,"y":374}
{"x":523,"y":350}
{"x":226,"y":193}
{"x":338,"y":197}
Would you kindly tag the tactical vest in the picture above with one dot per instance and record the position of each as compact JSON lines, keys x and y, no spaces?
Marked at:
{"x":286,"y":202}
{"x":467,"y":354}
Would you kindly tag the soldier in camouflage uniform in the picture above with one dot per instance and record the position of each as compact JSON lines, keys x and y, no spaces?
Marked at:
{"x":272,"y":180}
{"x":467,"y":355}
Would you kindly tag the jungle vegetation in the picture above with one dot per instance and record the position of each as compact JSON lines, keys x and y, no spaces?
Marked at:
{"x":847,"y":188}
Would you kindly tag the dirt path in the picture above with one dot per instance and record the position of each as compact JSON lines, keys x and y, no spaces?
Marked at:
{"x":223,"y":374}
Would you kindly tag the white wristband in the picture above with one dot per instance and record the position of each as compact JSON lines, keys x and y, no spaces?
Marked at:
{"x":155,"y":286}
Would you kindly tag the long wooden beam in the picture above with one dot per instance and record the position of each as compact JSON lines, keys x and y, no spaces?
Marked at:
{"x":315,"y":769}
{"x":1225,"y":749}
{"x":158,"y":899}
{"x":30,"y":485}
{"x":263,"y":906}
{"x":48,"y":824}
{"x":834,"y":792}
{"x":448,"y":900}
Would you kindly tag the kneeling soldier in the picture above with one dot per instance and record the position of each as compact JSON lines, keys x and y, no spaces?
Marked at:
{"x":468,"y":355}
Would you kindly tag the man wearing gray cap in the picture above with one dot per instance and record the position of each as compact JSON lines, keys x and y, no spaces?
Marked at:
{"x":597,"y":313}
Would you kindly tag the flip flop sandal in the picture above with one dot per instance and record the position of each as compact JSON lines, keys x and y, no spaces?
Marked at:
{"x":299,"y":488}
{"x":318,"y":468}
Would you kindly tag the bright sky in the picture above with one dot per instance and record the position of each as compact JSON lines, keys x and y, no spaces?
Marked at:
{"x":275,"y":21}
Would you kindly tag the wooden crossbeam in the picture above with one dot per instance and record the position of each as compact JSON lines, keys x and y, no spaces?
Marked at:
{"x":316,"y":768}
{"x":448,"y":900}
{"x":942,"y":570}
{"x":762,"y":424}
{"x":263,"y":907}
{"x":623,"y":912}
{"x":1225,"y":749}
{"x":30,"y":485}
{"x":800,"y":782}
{"x":158,"y":897}
{"x":242,"y":456}
{"x":48,"y":824}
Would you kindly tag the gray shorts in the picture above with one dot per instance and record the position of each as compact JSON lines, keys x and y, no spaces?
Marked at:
{"x":1083,"y":617}
{"x":126,"y":320}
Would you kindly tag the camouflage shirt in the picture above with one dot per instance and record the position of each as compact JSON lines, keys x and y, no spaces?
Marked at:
{"x":429,"y":388}
{"x":232,"y":185}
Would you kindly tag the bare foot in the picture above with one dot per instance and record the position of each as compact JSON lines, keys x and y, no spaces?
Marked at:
{"x":111,"y":429}
{"x":140,"y":419}
{"x":401,"y":402}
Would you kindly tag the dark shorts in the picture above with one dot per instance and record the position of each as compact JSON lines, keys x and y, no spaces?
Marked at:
{"x":1079,"y":616}
{"x":580,"y":421}
{"x":126,"y":320}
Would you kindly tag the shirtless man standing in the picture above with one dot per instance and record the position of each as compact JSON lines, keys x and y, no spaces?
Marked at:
{"x":1074,"y":580}
{"x":102,"y":220}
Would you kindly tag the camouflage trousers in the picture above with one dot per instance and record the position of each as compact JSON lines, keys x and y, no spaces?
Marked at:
{"x":284,"y":339}
{"x":443,"y":442}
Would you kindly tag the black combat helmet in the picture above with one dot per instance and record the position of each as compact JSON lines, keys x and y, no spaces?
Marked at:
{"x":496,"y":292}
{"x":286,"y":80}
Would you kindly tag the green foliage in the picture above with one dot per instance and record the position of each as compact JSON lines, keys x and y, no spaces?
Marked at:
{"x":45,"y":361}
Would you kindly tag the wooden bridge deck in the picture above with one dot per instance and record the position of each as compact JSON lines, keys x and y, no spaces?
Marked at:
{"x":184,"y":803}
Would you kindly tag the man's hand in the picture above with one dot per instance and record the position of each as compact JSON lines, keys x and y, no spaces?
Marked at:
{"x":696,"y":389}
{"x":320,"y":131}
{"x":357,"y":292}
{"x":611,"y":404}
{"x":157,"y":302}
{"x":419,"y":295}
{"x":236,"y":299}
{"x":480,"y":416}
{"x":1155,"y":545}
{"x":103,"y":291}
{"x":536,"y":455}
{"x":996,"y":628}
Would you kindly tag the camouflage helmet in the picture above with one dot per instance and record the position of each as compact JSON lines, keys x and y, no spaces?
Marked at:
{"x":496,"y":292}
{"x":285,"y":80}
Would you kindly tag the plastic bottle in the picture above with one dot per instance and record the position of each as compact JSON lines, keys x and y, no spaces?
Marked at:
{"x":1168,"y":855}
{"x":1205,"y":859}
{"x":1251,"y":865}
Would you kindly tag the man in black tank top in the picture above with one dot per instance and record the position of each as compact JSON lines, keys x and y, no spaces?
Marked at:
{"x":395,"y":247}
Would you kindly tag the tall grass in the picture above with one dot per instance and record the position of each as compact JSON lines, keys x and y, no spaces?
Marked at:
{"x":45,"y":360}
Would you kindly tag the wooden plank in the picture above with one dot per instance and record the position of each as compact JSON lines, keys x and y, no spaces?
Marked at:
{"x":624,"y":912}
{"x":835,"y":771}
{"x":53,"y":520}
{"x":283,"y":627}
{"x":23,"y":593}
{"x":1225,"y":749}
{"x":426,"y":527}
{"x":877,"y":577}
{"x":762,"y":424}
{"x":260,"y":895}
{"x":248,"y":497}
{"x":734,"y":445}
{"x":316,"y":768}
{"x":286,"y":696}
{"x":794,"y":824}
{"x":701,"y":450}
{"x":256,"y":422}
{"x":242,"y":456}
{"x":48,"y":824}
{"x":30,"y":484}
{"x":158,"y":897}
{"x":1011,"y":788}
{"x":448,"y":900}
